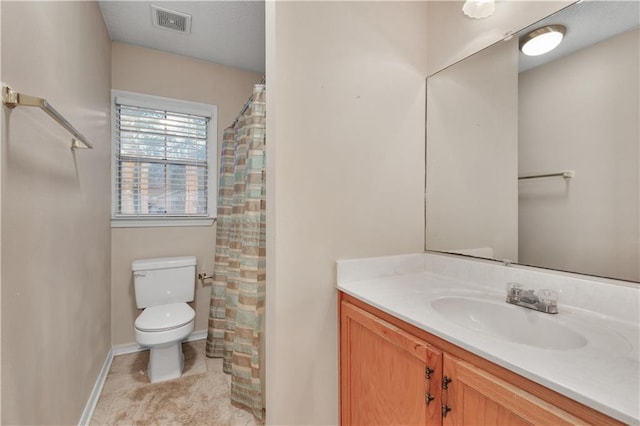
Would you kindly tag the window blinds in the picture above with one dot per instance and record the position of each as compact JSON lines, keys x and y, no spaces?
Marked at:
{"x":161,"y":163}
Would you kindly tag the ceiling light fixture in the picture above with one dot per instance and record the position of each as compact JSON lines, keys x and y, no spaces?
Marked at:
{"x":542,"y":40}
{"x":478,"y":9}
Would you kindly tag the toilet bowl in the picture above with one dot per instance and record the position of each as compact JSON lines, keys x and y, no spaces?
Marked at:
{"x":162,"y":329}
{"x":163,"y":286}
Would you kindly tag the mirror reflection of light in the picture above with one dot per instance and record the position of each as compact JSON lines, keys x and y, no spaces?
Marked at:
{"x":479,"y":9}
{"x":542,"y":40}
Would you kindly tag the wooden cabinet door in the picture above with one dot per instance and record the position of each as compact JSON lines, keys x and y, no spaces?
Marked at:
{"x":476,"y":397}
{"x":383,"y":373}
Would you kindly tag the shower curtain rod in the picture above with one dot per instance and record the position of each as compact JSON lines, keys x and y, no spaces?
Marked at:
{"x":246,"y":105}
{"x":12,"y":99}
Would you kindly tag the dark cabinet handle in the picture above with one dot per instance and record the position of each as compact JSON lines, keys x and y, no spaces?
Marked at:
{"x":427,"y":372}
{"x":428,"y":397}
{"x":445,"y":410}
{"x":445,"y":382}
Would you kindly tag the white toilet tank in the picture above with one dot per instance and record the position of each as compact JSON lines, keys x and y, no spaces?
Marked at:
{"x":164,"y":280}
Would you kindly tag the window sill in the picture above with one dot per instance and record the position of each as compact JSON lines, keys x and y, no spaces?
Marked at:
{"x":121,"y":222}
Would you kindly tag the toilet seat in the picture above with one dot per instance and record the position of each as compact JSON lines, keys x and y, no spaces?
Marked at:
{"x":164,"y":317}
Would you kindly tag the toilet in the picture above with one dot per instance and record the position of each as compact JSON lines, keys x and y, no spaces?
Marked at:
{"x":162,"y":288}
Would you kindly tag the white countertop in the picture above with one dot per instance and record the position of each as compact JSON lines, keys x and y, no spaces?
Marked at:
{"x":604,"y":374}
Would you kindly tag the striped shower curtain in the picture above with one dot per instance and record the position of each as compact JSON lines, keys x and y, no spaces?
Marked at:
{"x":237,"y":295}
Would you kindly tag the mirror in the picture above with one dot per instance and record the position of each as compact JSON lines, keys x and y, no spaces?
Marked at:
{"x":536,"y":159}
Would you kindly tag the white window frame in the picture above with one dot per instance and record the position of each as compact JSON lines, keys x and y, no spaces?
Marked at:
{"x":174,"y":105}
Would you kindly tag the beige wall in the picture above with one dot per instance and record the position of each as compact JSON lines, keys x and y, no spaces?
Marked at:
{"x":55,"y":218}
{"x":345,"y":152}
{"x":157,"y":73}
{"x":345,"y":167}
{"x":472,"y":157}
{"x":590,"y":223}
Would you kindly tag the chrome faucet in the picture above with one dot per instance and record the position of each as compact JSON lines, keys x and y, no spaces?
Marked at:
{"x":544,"y":300}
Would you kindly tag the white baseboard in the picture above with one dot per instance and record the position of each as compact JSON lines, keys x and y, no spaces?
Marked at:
{"x":116,"y":350}
{"x":129,"y":348}
{"x":197,"y":335}
{"x":87,"y":413}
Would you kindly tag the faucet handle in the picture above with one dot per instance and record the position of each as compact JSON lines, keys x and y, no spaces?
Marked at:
{"x":514,"y":289}
{"x":548,"y":297}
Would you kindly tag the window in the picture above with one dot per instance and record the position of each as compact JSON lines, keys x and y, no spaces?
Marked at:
{"x":164,"y":161}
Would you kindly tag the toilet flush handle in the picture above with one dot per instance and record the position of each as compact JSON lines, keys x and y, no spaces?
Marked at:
{"x":139,"y":274}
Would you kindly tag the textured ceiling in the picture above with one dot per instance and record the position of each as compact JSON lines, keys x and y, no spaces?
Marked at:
{"x":230,"y":33}
{"x":588,"y":23}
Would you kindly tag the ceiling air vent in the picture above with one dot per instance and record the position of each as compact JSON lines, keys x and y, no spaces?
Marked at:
{"x":171,"y":19}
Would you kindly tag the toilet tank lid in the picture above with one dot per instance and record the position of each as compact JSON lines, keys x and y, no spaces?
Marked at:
{"x":162,"y":263}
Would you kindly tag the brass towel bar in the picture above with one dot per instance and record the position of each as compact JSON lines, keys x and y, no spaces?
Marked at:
{"x":12,"y":99}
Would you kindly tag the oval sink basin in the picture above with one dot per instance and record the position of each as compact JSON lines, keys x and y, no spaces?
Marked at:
{"x":510,"y":323}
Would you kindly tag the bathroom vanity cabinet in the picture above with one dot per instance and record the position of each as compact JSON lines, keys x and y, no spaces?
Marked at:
{"x":392,"y":372}
{"x":388,"y":376}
